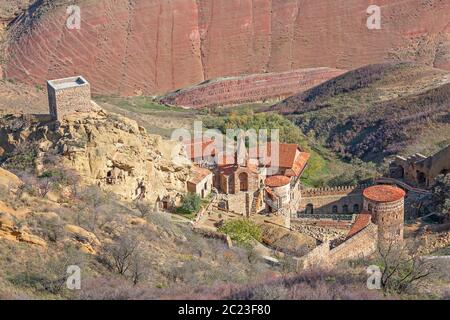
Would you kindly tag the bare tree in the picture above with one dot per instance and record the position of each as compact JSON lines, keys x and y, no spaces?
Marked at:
{"x":44,"y":186}
{"x":137,"y":269}
{"x":123,"y":253}
{"x":143,"y":207}
{"x":402,"y":269}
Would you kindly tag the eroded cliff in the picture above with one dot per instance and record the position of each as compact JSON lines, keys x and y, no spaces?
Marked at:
{"x":153,"y":46}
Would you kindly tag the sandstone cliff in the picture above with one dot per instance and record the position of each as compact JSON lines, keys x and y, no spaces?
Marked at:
{"x":104,"y":149}
{"x":154,"y":46}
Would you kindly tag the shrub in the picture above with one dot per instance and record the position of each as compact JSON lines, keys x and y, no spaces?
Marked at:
{"x":22,"y":159}
{"x":190,"y":204}
{"x":441,"y":193}
{"x":243,"y":231}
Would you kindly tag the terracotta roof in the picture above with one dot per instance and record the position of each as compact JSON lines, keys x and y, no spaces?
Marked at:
{"x":199,"y":146}
{"x":361,"y":222}
{"x":226,"y":170}
{"x":287,"y":154}
{"x":277,"y":181}
{"x":198,"y":174}
{"x":383,"y":193}
{"x":300,"y":163}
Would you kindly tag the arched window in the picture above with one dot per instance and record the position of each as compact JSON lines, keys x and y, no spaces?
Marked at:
{"x":355,"y":208}
{"x":345,"y":208}
{"x":309,"y":208}
{"x":243,"y":181}
{"x":335,"y":209}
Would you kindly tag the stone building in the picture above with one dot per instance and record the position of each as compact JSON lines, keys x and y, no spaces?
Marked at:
{"x":420,"y":171}
{"x":200,"y":182}
{"x":380,"y":223}
{"x":385,"y":203}
{"x":253,"y":181}
{"x":67,"y":96}
{"x":331,"y":200}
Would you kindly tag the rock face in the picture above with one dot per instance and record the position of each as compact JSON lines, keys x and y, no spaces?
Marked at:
{"x":254,"y":88}
{"x":155,"y":46}
{"x":107,"y":150}
{"x":11,"y":229}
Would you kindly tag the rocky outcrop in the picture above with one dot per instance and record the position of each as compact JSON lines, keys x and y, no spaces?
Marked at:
{"x":154,"y":46}
{"x":87,"y":241}
{"x":8,"y":180}
{"x":106,"y":150}
{"x":11,"y":230}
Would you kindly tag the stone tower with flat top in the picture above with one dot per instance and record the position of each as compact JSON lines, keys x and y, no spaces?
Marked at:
{"x":67,"y":96}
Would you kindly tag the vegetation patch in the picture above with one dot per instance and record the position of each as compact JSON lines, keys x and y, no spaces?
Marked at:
{"x":190,"y":206}
{"x":243,"y":231}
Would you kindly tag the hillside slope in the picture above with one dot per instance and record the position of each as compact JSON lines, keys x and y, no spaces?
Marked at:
{"x":154,"y":46}
{"x":377,"y":111}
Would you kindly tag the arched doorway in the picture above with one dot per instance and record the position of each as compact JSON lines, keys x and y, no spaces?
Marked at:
{"x":309,"y":208}
{"x":345,"y":209}
{"x":401,"y":172}
{"x":243,"y":181}
{"x":356,"y":208}
{"x":421,"y":178}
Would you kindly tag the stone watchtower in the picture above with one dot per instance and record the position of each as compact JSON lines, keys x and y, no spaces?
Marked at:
{"x":386,"y":205}
{"x":68,"y":95}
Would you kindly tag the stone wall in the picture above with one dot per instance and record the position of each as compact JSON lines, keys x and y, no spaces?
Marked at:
{"x":240,"y":203}
{"x":361,"y":245}
{"x":255,"y":88}
{"x":199,"y":188}
{"x":418,"y":170}
{"x":324,"y":199}
{"x":321,"y":233}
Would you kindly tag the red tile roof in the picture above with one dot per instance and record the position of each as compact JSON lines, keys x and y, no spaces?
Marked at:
{"x":300,"y":163}
{"x":361,"y":222}
{"x":196,"y":149}
{"x":226,"y":170}
{"x":198,"y":174}
{"x":383,"y":193}
{"x":277,"y":181}
{"x":286,"y":155}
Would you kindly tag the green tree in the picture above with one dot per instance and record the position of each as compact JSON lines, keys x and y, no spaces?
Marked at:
{"x":441,"y":194}
{"x":191,"y":204}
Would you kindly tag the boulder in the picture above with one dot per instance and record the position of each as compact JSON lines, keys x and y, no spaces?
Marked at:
{"x":8,"y":179}
{"x":81,"y":235}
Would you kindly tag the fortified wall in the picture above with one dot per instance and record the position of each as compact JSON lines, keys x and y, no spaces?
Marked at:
{"x":361,"y":245}
{"x":332,"y":200}
{"x":254,"y":88}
